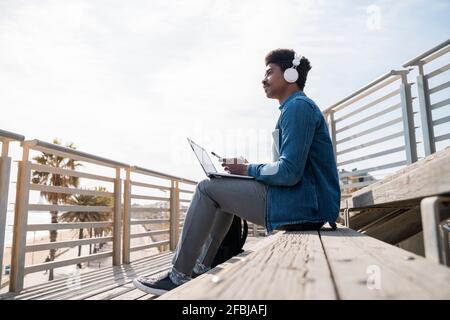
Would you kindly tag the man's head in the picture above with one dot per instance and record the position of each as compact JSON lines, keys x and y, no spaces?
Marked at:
{"x":277,"y":61}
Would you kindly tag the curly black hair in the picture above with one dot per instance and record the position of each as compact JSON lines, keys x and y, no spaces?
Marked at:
{"x":283,"y":58}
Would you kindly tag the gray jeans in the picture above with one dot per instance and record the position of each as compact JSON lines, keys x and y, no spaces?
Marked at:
{"x":213,"y":206}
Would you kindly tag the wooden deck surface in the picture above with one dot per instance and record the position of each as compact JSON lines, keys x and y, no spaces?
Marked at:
{"x":341,"y":264}
{"x":111,"y":283}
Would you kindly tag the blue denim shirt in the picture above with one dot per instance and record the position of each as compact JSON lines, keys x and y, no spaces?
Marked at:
{"x":303,"y":185}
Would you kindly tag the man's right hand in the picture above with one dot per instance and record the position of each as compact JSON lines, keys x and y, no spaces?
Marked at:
{"x":235,"y":165}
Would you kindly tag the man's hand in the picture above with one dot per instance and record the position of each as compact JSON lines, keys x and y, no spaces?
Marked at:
{"x":235,"y":165}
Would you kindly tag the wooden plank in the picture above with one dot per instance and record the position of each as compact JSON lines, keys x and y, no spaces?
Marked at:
{"x":149,"y":185}
{"x":114,"y":283}
{"x":67,"y":225}
{"x":66,"y":190}
{"x":96,"y":276}
{"x":185,"y":191}
{"x":398,"y":228}
{"x":20,"y":224}
{"x":364,"y":217}
{"x":366,"y":268}
{"x":427,"y":177}
{"x":149,"y":221}
{"x":97,"y":273}
{"x":117,"y":291}
{"x":143,"y":197}
{"x":117,"y":220}
{"x":71,"y":153}
{"x":147,"y":297}
{"x":291,"y":266}
{"x":126,"y":218}
{"x":148,"y":209}
{"x":148,"y":246}
{"x":130,"y":295}
{"x":87,"y":283}
{"x":66,"y":262}
{"x":149,"y":233}
{"x":57,"y":207}
{"x":65,"y":244}
{"x":72,"y":173}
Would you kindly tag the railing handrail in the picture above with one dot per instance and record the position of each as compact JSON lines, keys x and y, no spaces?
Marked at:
{"x":368,"y":86}
{"x":417,"y":60}
{"x":11,"y":135}
{"x":142,"y":170}
{"x":40,"y":145}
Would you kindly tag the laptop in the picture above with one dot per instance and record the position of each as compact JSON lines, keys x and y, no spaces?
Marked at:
{"x":208,"y":165}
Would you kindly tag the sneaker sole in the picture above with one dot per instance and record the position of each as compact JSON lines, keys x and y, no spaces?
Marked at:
{"x":154,"y":291}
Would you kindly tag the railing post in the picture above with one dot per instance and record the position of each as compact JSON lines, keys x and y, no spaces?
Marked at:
{"x":126,"y":217}
{"x":20,"y":223}
{"x":174,"y":214}
{"x":332,"y":130}
{"x":408,"y":120}
{"x":5,"y":170}
{"x":425,"y":112}
{"x":117,"y":218}
{"x":432,"y":215}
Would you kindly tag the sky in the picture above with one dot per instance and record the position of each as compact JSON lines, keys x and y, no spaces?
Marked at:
{"x":130,"y":80}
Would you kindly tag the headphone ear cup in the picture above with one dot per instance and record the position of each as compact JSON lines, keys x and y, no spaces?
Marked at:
{"x":290,"y":75}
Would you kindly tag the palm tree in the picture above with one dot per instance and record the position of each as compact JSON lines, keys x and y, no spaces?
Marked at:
{"x":54,"y":179}
{"x":77,"y":216}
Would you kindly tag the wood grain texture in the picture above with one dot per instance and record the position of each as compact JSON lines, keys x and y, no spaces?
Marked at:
{"x":357,"y":260}
{"x":291,"y":265}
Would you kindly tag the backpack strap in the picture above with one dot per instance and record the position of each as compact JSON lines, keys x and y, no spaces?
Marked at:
{"x":244,"y":234}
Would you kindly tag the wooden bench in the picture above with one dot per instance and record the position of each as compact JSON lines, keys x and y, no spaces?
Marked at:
{"x":340,"y":264}
{"x":414,"y":199}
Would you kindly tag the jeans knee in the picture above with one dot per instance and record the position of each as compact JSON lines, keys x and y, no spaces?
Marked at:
{"x":202,"y":186}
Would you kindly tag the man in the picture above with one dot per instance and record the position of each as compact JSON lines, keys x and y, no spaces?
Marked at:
{"x":298,"y":191}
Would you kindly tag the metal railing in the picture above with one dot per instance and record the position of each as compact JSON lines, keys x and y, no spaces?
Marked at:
{"x":374,"y":129}
{"x":120,"y":212}
{"x":433,"y":98}
{"x":376,"y":115}
{"x":5,"y":170}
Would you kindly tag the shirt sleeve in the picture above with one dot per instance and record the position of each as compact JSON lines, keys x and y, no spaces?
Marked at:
{"x":298,"y":124}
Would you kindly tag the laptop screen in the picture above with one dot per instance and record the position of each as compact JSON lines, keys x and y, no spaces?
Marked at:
{"x":203,"y":157}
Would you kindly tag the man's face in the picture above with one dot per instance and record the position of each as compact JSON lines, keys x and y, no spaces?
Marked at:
{"x":273,"y":83}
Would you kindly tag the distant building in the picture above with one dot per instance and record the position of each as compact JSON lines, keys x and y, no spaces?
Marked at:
{"x":348,"y":180}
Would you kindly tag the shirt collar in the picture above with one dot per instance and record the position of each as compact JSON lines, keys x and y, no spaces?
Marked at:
{"x":291,"y":97}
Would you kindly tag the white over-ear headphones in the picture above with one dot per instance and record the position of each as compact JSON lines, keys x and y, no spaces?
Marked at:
{"x":291,"y":74}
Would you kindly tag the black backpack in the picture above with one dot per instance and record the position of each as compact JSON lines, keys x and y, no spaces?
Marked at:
{"x":233,"y":242}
